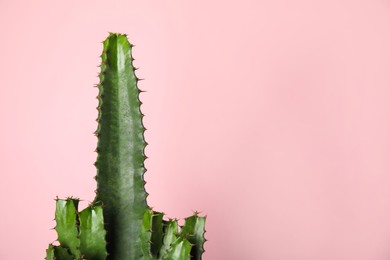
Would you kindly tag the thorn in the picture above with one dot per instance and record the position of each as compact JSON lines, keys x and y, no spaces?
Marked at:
{"x":196,"y":212}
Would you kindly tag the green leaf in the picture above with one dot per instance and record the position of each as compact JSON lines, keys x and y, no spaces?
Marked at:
{"x":180,"y":250}
{"x":193,"y":230}
{"x":67,"y":225}
{"x":170,"y":235}
{"x":92,"y":233}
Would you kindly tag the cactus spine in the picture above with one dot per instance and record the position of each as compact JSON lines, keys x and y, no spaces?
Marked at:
{"x":119,"y":219}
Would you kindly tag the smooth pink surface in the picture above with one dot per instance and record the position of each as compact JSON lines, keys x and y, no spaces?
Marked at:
{"x":271,"y":117}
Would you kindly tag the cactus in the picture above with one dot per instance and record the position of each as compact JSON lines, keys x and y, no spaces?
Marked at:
{"x":118,"y":224}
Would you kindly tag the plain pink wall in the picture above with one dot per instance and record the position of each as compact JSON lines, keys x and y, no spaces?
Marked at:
{"x":271,"y":117}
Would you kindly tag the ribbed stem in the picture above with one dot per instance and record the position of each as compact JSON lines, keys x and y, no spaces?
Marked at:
{"x":120,"y":150}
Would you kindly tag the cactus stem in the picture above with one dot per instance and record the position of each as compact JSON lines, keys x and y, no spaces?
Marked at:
{"x":121,"y":198}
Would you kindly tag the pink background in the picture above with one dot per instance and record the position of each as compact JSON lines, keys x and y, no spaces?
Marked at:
{"x":271,"y":117}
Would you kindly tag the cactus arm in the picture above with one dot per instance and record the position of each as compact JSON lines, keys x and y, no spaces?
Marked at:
{"x":157,"y":233}
{"x":50,"y":252}
{"x":92,"y":233}
{"x":146,"y":234}
{"x":193,"y":230}
{"x":170,"y":235}
{"x":180,"y":249}
{"x":57,"y":253}
{"x":120,"y":150}
{"x":67,"y":226}
{"x":61,"y":253}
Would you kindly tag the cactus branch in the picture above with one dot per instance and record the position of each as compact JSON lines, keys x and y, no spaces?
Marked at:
{"x":171,"y":229}
{"x":193,"y":230}
{"x":92,"y":233}
{"x":180,"y":250}
{"x":67,"y":225}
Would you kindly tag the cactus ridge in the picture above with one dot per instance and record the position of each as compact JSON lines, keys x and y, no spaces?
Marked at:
{"x":118,"y":224}
{"x":81,"y":235}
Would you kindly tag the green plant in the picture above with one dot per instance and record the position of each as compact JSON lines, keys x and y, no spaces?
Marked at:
{"x":119,"y":224}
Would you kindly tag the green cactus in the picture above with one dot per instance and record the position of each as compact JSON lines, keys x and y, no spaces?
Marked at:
{"x":119,"y":225}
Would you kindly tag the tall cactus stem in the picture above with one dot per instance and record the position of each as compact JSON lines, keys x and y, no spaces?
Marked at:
{"x":120,"y":150}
